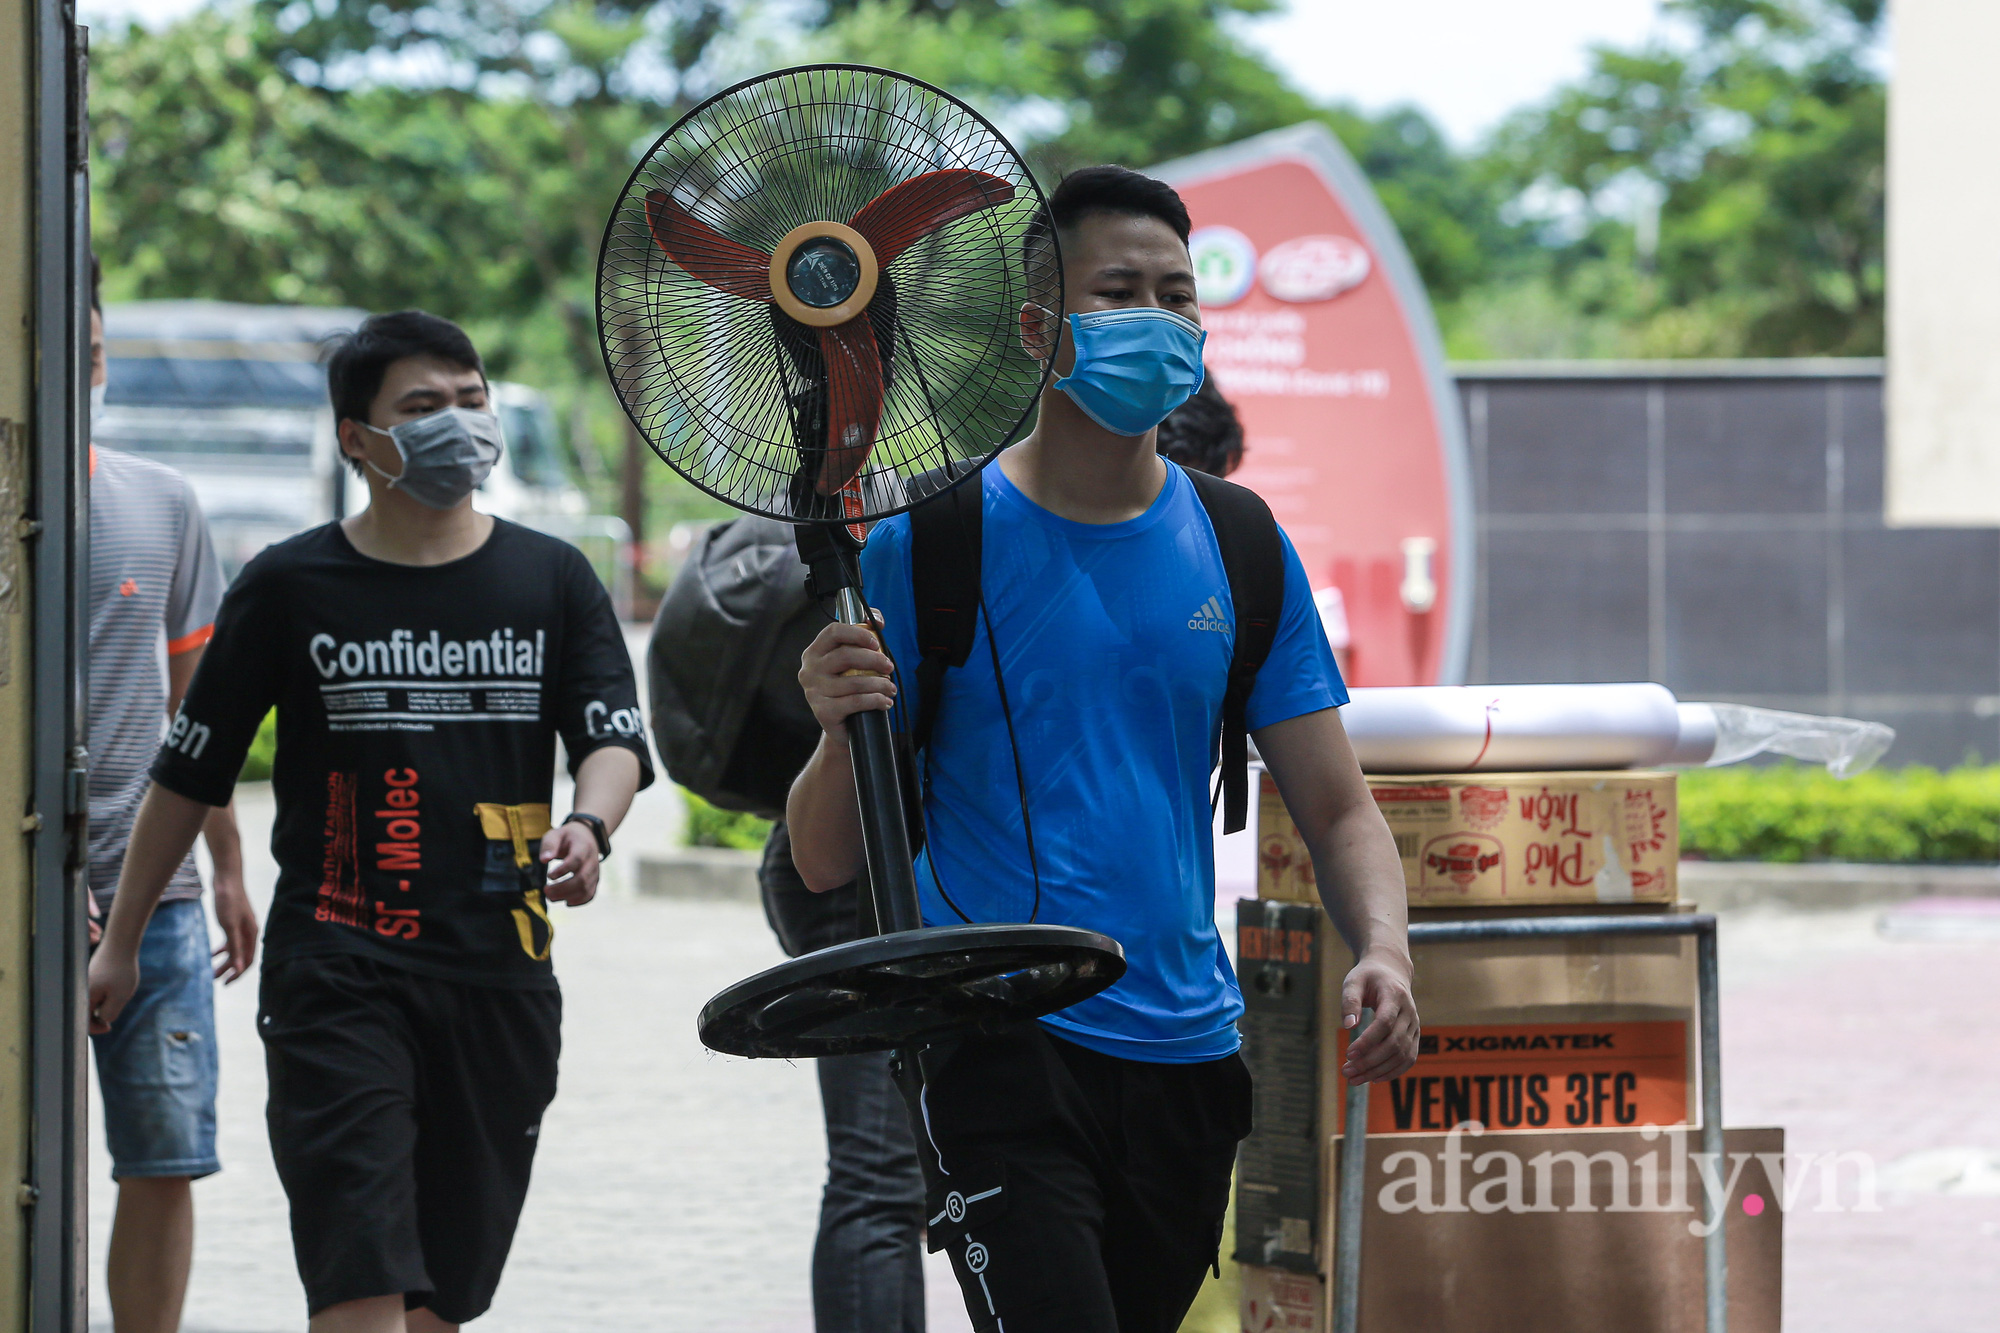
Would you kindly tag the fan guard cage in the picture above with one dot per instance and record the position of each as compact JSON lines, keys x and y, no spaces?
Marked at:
{"x":704,"y":374}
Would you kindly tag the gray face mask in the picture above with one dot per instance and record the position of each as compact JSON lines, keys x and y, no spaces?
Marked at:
{"x":446,"y":454}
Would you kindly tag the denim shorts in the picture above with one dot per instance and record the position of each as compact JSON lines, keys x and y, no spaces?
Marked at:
{"x":157,"y":1065}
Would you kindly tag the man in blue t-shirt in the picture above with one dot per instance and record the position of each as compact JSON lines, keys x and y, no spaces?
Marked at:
{"x":1078,"y":1168}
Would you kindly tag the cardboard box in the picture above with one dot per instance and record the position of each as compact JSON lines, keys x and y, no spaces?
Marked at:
{"x":1634,"y":998}
{"x":1522,"y":1077}
{"x":1599,"y":985}
{"x":1291,"y":962}
{"x":1544,"y":1256}
{"x":1566,"y":1269}
{"x":1505,"y":839}
{"x":1278,"y":1167}
{"x":1277,"y":1301}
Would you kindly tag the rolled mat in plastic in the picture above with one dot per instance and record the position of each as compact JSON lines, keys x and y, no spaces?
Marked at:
{"x":1512,"y":728}
{"x":1735,"y":732}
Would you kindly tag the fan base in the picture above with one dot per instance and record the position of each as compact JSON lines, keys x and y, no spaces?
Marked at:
{"x":889,"y":991}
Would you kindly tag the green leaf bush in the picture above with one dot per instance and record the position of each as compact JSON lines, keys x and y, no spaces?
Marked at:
{"x":264,"y":748}
{"x":708,"y":826}
{"x":1791,"y":813}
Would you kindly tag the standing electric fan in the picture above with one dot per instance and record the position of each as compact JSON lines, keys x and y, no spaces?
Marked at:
{"x":810,"y":298}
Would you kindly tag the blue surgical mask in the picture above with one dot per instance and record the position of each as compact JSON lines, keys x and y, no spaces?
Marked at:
{"x":1133,"y":366}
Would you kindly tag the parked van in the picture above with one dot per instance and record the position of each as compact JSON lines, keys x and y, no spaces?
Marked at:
{"x":234,"y":396}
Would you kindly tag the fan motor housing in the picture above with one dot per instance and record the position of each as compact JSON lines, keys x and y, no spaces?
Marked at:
{"x":823,"y":274}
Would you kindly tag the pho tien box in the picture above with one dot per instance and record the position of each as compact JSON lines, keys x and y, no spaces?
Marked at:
{"x":1505,"y":839}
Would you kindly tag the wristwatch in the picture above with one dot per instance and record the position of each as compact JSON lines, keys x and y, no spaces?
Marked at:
{"x":597,"y":830}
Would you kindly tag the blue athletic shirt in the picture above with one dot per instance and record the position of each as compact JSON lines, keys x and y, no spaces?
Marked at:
{"x":1114,"y":640}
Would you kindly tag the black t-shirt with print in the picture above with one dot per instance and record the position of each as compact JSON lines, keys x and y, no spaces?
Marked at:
{"x":408,"y":698}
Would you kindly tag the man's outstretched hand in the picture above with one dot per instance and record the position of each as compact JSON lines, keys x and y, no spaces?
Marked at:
{"x":1389,"y":1046}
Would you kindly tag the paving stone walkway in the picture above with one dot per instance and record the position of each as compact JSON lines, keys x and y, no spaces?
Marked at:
{"x":674,"y":1189}
{"x":1857,"y":1044}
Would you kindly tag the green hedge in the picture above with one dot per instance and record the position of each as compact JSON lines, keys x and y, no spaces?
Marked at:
{"x":257,"y":764}
{"x":1793,"y":813}
{"x":709,"y":827}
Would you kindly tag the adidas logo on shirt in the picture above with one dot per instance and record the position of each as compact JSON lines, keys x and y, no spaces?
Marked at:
{"x":1209,"y":617}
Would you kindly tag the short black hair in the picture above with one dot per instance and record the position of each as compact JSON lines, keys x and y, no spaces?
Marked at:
{"x":1104,"y":189}
{"x":96,"y":282}
{"x":357,"y":361}
{"x":1204,"y":433}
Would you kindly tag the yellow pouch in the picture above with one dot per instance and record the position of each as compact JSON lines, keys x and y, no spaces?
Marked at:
{"x":515,"y":826}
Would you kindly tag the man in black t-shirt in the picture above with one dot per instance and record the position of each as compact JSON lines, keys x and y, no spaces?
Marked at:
{"x":423,"y":658}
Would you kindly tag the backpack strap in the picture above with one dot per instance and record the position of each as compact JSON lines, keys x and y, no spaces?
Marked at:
{"x":1253,"y":559}
{"x":945,"y":557}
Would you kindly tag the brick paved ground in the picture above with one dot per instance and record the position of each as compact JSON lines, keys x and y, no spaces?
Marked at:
{"x":1856,"y":1044}
{"x":675,"y":1189}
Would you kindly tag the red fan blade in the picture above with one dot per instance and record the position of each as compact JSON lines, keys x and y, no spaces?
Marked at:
{"x":851,"y":507}
{"x":854,"y":401}
{"x":902,"y":215}
{"x":705,"y":252}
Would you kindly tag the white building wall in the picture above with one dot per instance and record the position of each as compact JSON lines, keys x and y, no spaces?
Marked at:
{"x":1944,"y":265}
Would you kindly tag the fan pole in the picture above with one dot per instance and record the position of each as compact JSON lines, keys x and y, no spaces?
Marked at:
{"x":885,"y":834}
{"x":832,"y":556}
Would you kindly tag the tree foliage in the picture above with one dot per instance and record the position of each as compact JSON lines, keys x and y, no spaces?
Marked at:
{"x":459,"y":156}
{"x":217,"y":175}
{"x":462,"y":155}
{"x":1723,"y":195}
{"x":1718,"y":191}
{"x":1140,"y":82}
{"x":1083,"y":81}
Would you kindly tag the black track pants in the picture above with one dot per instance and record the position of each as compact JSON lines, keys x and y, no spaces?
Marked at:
{"x":1075,"y":1192}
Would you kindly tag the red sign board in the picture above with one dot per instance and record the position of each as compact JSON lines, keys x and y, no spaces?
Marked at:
{"x":1320,"y":333}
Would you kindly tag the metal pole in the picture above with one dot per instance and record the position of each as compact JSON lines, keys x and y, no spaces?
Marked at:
{"x":885,"y":838}
{"x":1715,"y":1247}
{"x":55,"y":543}
{"x":1353,"y":1198}
{"x":1558,"y":927}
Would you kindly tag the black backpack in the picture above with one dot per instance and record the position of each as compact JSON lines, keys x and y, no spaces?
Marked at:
{"x":722,"y":665}
{"x":722,"y":668}
{"x":945,"y":558}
